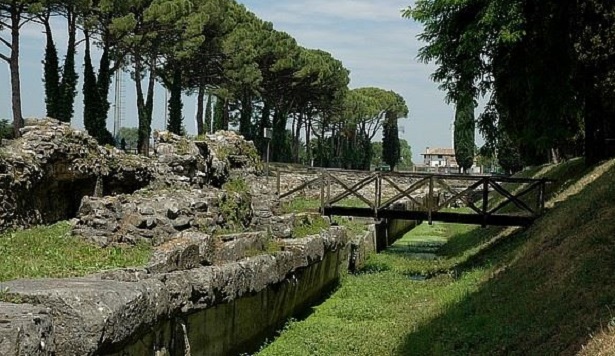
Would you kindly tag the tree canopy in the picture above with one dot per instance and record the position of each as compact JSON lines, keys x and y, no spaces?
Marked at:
{"x":245,"y":73}
{"x":546,"y":65}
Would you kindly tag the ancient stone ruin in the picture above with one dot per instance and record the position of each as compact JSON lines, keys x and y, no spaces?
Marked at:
{"x":226,"y":271}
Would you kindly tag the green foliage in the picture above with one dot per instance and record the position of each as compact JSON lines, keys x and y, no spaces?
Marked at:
{"x":219,"y":114}
{"x":299,"y":204}
{"x":405,"y":159}
{"x":464,"y":133}
{"x":94,"y":105}
{"x":51,"y":77}
{"x":390,"y":143}
{"x":377,"y":154}
{"x":175,"y":103}
{"x":6,"y":129}
{"x":508,"y":155}
{"x":130,"y":135}
{"x":309,"y":226}
{"x":51,"y":252}
{"x":235,"y":206}
{"x":544,"y":62}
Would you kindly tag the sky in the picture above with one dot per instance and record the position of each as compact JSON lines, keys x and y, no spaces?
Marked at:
{"x":370,"y":37}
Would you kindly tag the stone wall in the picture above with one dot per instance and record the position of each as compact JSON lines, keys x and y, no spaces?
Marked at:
{"x":215,"y":310}
{"x":361,"y":247}
{"x":45,"y":174}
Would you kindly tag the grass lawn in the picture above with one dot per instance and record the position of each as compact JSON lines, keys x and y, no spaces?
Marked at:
{"x":50,"y":251}
{"x":371,"y":312}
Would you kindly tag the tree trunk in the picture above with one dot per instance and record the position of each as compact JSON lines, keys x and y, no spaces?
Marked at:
{"x":225,"y":115}
{"x":297,"y":138}
{"x":143,"y":141}
{"x":245,"y":120}
{"x":208,"y":125}
{"x":14,"y":69}
{"x":199,"y":111}
{"x":308,"y":146}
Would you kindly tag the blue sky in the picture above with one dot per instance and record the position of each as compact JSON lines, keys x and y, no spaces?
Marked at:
{"x":368,"y":36}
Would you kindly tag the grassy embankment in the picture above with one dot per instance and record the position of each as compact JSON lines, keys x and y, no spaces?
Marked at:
{"x":50,"y":251}
{"x":548,"y":289}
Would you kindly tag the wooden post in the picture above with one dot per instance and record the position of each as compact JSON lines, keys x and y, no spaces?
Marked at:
{"x":541,"y":198}
{"x":278,"y":173}
{"x":377,"y":196}
{"x":328,"y":190}
{"x":485,"y":200}
{"x":430,"y":201}
{"x":322,"y":192}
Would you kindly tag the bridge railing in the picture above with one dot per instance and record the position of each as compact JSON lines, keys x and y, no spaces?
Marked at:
{"x":488,"y":199}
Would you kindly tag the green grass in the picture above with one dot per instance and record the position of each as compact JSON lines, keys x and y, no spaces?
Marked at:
{"x":371,"y":312}
{"x":354,"y":226}
{"x":311,"y":226}
{"x":51,"y":251}
{"x":299,"y":204}
{"x":537,"y":291}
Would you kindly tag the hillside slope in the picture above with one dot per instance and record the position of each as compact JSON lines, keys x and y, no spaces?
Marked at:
{"x":556,"y":288}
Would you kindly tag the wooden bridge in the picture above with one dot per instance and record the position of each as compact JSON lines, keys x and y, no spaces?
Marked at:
{"x":488,"y":200}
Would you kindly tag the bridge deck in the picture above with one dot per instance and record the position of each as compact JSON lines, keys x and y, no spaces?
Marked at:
{"x":449,"y":217}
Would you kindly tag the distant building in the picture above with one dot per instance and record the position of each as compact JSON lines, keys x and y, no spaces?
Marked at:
{"x":439,"y":157}
{"x":442,"y":160}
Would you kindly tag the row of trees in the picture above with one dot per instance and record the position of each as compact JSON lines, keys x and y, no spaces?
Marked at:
{"x":253,"y":76}
{"x":548,"y":67}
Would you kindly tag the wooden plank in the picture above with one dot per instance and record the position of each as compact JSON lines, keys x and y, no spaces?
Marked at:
{"x":348,"y":211}
{"x":302,"y":186}
{"x":512,"y":198}
{"x":278,"y":183}
{"x":378,"y":194}
{"x":403,"y":193}
{"x":484,"y":211}
{"x":430,"y":201}
{"x":365,"y":200}
{"x":449,"y":217}
{"x":460,"y":195}
{"x":359,"y":185}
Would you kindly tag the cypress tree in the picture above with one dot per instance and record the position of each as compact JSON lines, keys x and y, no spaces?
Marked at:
{"x":90,"y":99}
{"x":175,"y":103}
{"x":94,"y":114}
{"x":68,"y":84}
{"x":390,"y":141}
{"x":464,"y":133}
{"x":219,"y":114}
{"x":51,"y":76}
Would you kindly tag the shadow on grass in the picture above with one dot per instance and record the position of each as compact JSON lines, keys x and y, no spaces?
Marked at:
{"x":545,"y":290}
{"x":525,"y":309}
